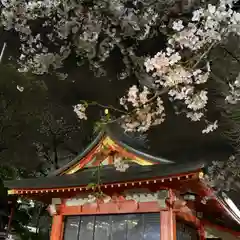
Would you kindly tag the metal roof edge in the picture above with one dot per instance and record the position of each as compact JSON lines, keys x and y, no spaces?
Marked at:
{"x":228,"y":209}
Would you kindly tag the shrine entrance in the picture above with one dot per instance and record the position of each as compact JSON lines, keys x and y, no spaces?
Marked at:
{"x":144,"y":226}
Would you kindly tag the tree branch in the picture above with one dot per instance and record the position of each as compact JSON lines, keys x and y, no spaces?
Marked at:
{"x":156,"y":95}
{"x":230,"y":53}
{"x":204,"y":54}
{"x":55,"y":153}
{"x":107,"y":106}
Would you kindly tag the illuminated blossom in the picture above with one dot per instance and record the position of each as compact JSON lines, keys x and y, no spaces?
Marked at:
{"x":120,"y":165}
{"x":20,"y":89}
{"x":211,"y":127}
{"x":178,"y":25}
{"x":80,"y":110}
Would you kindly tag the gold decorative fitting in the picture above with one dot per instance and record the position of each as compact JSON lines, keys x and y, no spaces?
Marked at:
{"x":10,"y":192}
{"x":201,"y":175}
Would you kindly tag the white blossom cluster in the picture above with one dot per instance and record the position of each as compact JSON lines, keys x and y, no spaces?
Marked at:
{"x":211,"y":127}
{"x":20,"y":88}
{"x":64,"y":24}
{"x":34,"y":54}
{"x":234,"y":91}
{"x":77,"y":27}
{"x":223,"y":173}
{"x":208,"y":25}
{"x":181,"y":76}
{"x":119,"y":164}
{"x":80,"y":110}
{"x":145,"y":113}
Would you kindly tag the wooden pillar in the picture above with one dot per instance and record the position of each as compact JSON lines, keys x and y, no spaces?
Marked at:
{"x":168,"y":225}
{"x":201,"y":231}
{"x":57,"y":227}
{"x":168,"y":220}
{"x":10,"y":220}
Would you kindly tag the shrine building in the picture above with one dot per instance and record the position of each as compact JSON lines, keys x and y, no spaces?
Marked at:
{"x":154,"y":199}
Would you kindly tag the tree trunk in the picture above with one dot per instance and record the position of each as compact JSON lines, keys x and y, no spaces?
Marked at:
{"x":56,"y":166}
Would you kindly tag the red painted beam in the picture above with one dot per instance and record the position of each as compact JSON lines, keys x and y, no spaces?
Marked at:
{"x":126,"y":206}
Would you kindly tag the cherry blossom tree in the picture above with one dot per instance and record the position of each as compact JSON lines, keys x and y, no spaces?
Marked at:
{"x":179,"y":71}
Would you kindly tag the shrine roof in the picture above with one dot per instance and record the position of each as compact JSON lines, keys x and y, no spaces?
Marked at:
{"x":152,"y":149}
{"x":86,"y":176}
{"x":123,"y":140}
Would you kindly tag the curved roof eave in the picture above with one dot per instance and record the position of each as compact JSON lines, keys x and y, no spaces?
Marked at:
{"x":79,"y":156}
{"x":230,"y":207}
{"x":109,"y":131}
{"x":84,"y":177}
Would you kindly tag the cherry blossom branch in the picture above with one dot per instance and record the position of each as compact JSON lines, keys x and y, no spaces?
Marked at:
{"x":213,"y":44}
{"x":230,"y":54}
{"x":158,"y":94}
{"x":106,"y":107}
{"x":204,"y":54}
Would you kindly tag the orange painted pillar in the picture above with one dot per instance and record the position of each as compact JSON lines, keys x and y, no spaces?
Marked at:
{"x":168,"y":225}
{"x":201,"y":231}
{"x":168,"y":220}
{"x":57,"y":227}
